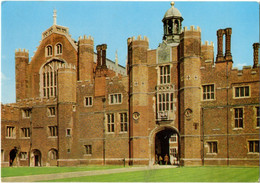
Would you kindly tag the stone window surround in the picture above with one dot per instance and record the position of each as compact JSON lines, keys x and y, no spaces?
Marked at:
{"x":88,"y":100}
{"x":239,"y":118}
{"x":214,"y":92}
{"x":167,"y":75}
{"x":48,"y":50}
{"x":239,"y":97}
{"x":58,"y":49}
{"x":117,"y":98}
{"x":10,"y":132}
{"x":25,"y":133}
{"x":110,"y":123}
{"x":26,"y":113}
{"x":123,"y":123}
{"x":52,"y":131}
{"x":210,"y":147}
{"x":51,"y":111}
{"x":254,"y":146}
{"x":88,"y":150}
{"x":70,"y":132}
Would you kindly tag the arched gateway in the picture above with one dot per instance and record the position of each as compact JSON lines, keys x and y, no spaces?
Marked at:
{"x":164,"y":140}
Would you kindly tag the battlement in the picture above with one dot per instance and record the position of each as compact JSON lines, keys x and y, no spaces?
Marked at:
{"x":86,"y":38}
{"x":139,"y":38}
{"x":192,"y":28}
{"x":29,"y":102}
{"x":207,"y":44}
{"x":22,"y":53}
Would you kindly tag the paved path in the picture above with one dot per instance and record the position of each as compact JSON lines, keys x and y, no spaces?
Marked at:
{"x":45,"y":177}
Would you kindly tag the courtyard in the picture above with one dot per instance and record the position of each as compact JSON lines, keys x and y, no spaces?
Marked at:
{"x":130,"y":174}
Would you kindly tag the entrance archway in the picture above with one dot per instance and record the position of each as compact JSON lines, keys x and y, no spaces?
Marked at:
{"x":36,"y":158}
{"x":164,"y":144}
{"x":12,"y":156}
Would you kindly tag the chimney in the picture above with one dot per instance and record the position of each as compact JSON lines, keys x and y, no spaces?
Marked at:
{"x":256,"y":54}
{"x":98,"y":56}
{"x":104,"y":48}
{"x":220,"y":34}
{"x":228,"y":56}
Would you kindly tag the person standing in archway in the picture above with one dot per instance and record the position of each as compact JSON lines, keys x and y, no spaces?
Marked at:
{"x":166,"y":159}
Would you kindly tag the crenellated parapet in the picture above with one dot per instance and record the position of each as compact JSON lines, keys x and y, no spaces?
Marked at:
{"x":190,"y":42}
{"x":21,"y":53}
{"x":138,"y":41}
{"x":89,"y":40}
{"x":207,"y":52}
{"x":192,"y":29}
{"x":247,"y":73}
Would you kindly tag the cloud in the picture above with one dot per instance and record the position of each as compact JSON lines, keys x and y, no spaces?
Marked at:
{"x":3,"y":77}
{"x":240,"y":65}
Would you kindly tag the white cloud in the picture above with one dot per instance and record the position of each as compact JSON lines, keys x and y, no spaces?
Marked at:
{"x":3,"y":77}
{"x":240,"y":65}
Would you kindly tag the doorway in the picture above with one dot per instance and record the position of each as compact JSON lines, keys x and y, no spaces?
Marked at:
{"x":12,"y":156}
{"x":166,"y":147}
{"x":36,"y":158}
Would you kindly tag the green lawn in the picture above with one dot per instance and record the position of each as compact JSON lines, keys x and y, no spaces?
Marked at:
{"x":183,"y":174}
{"x":21,"y":171}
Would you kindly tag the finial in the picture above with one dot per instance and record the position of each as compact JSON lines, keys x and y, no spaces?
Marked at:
{"x":172,"y":3}
{"x":116,"y":58}
{"x":54,"y":17}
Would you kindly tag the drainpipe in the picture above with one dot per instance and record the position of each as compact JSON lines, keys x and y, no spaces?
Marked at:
{"x":104,"y":131}
{"x":227,"y":117}
{"x":203,"y":163}
{"x":30,"y":147}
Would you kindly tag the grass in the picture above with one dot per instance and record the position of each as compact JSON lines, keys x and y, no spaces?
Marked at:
{"x":22,"y":171}
{"x":183,"y":174}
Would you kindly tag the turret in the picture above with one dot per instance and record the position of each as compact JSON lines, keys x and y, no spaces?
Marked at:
{"x":67,"y":82}
{"x":21,"y":69}
{"x":138,"y":93}
{"x":172,"y":24}
{"x":86,"y":58}
{"x":190,"y":95}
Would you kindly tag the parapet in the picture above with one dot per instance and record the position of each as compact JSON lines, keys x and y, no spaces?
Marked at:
{"x":21,"y":53}
{"x":192,"y":28}
{"x":207,"y":44}
{"x":86,"y":38}
{"x":139,"y":38}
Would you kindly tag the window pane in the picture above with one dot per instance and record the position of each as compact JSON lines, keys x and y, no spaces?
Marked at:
{"x":247,"y":91}
{"x":237,"y":92}
{"x":242,"y":92}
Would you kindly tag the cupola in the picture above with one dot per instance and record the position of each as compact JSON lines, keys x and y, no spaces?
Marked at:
{"x":172,"y":24}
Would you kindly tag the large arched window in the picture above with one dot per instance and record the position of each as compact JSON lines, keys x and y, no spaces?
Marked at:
{"x":58,"y":49}
{"x":49,"y":78}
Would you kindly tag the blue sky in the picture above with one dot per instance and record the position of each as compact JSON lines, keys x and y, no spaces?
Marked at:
{"x":22,"y":23}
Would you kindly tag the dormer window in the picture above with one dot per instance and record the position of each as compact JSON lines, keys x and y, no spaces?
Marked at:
{"x":49,"y":50}
{"x":58,"y":49}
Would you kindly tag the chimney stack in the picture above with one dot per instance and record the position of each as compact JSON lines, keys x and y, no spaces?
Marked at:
{"x":256,"y":54}
{"x":220,"y":34}
{"x":104,"y":48}
{"x":228,"y":56}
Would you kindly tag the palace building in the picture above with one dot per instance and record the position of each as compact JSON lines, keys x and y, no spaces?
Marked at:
{"x":76,"y":107}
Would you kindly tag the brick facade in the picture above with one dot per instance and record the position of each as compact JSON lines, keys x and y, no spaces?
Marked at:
{"x":74,"y":106}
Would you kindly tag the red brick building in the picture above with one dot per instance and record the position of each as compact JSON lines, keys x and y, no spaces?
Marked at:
{"x":74,"y":106}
